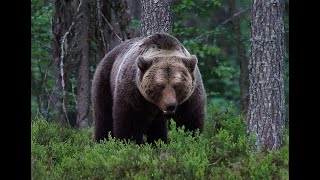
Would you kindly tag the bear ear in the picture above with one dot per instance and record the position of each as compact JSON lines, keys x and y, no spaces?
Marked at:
{"x":191,"y":63}
{"x":143,"y":64}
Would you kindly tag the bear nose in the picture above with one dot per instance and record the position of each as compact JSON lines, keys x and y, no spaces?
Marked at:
{"x":171,"y":107}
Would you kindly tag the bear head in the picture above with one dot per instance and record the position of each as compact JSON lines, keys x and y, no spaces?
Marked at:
{"x":166,"y":81}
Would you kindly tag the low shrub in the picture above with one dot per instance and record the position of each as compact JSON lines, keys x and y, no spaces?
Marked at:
{"x":221,"y":152}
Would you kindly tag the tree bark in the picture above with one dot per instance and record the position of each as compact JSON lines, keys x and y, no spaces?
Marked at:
{"x":58,"y":29}
{"x":73,"y":19}
{"x":266,"y":74}
{"x":135,"y":13}
{"x":124,"y":20}
{"x":156,"y":17}
{"x":242,"y":59}
{"x":103,"y":32}
{"x":36,"y":93}
{"x":135,"y":9}
{"x":82,"y":49}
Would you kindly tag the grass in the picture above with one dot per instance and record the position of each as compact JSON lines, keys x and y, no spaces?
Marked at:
{"x":222,"y":152}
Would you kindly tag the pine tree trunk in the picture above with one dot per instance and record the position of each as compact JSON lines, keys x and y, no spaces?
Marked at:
{"x":103,"y":31}
{"x":156,"y":17}
{"x":56,"y":99}
{"x":266,"y":74}
{"x":242,"y":59}
{"x":124,"y":20}
{"x":58,"y":29}
{"x":135,"y":13}
{"x":82,"y":28}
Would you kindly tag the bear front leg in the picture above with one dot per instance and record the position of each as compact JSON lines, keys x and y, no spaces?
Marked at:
{"x":191,"y":113}
{"x":158,"y":129}
{"x":127,"y":123}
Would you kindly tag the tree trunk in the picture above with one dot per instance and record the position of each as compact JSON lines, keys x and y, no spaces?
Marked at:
{"x":103,"y":31}
{"x":135,"y":13}
{"x":82,"y":49}
{"x":266,"y":74}
{"x":36,"y":93}
{"x":72,"y":23}
{"x":56,"y":100}
{"x":135,"y":9}
{"x":58,"y":29}
{"x":242,"y":59}
{"x":156,"y":17}
{"x":124,"y":20}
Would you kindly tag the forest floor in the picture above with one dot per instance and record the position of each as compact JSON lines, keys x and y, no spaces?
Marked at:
{"x":222,"y":152}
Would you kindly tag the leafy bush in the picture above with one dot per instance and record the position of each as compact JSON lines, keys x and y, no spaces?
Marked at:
{"x":222,"y":152}
{"x":198,"y":25}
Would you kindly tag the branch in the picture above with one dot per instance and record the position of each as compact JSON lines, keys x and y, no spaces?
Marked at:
{"x":73,"y":93}
{"x":42,"y":82}
{"x":100,"y":27}
{"x":54,"y":87}
{"x":235,"y":15}
{"x":215,"y":162}
{"x":223,"y":23}
{"x":124,"y":19}
{"x":110,"y":26}
{"x":61,"y":63}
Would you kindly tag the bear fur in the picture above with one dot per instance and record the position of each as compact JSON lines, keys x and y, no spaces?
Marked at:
{"x":141,"y":84}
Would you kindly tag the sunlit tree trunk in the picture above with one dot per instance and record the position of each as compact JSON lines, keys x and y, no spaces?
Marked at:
{"x":266,"y":74}
{"x":156,"y":16}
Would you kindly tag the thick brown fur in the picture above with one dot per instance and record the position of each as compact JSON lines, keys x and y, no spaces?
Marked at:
{"x":144,"y":82}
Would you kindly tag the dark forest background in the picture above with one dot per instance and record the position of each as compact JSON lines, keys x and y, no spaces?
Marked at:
{"x":70,"y":37}
{"x":217,"y":31}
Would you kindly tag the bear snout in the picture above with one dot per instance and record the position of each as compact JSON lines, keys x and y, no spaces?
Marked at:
{"x":168,"y":103}
{"x":170,"y":108}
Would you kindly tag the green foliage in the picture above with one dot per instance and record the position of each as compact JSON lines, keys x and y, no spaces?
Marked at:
{"x":135,"y":23}
{"x":196,"y":23}
{"x":40,"y":48}
{"x":40,"y":20}
{"x":222,"y":152}
{"x":197,"y":26}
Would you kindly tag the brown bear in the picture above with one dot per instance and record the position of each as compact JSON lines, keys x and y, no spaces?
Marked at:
{"x":141,"y":84}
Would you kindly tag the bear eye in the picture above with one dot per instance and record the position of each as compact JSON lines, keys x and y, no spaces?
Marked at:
{"x":175,"y":86}
{"x":160,"y":86}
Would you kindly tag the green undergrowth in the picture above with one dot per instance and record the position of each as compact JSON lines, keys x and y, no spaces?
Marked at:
{"x":222,"y":152}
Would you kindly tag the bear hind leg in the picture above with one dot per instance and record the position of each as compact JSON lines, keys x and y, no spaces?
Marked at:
{"x":102,"y":108}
